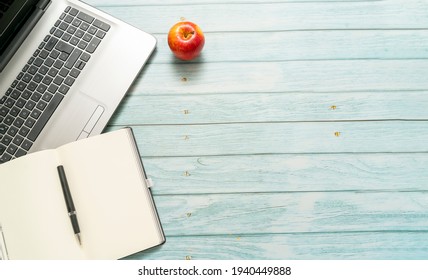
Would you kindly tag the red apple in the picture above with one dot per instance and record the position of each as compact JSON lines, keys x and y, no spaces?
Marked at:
{"x":186,"y":40}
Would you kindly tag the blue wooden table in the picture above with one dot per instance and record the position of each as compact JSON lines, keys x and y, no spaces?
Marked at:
{"x":300,"y":133}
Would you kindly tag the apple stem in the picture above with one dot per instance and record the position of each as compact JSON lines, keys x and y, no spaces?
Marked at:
{"x":186,"y":34}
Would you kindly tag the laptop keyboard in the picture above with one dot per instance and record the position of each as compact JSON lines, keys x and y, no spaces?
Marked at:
{"x":47,"y":77}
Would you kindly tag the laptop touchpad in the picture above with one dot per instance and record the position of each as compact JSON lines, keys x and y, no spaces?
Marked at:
{"x":92,"y":122}
{"x":76,"y":114}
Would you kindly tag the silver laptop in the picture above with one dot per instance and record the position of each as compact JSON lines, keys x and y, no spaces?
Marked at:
{"x":65,"y":66}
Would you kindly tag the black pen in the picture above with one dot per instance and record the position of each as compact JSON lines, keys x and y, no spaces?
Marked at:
{"x":69,"y":202}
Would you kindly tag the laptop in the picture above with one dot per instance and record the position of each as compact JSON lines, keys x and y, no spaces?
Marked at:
{"x":65,"y":66}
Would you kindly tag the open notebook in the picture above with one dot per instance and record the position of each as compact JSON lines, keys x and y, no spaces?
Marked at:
{"x":111,"y":194}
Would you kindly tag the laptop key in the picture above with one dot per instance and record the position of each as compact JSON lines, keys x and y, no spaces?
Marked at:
{"x":26,"y":145}
{"x":30,"y":122}
{"x":12,"y":131}
{"x":49,"y":62}
{"x":32,"y":69}
{"x":85,"y":17}
{"x":41,"y":105}
{"x":9,"y":102}
{"x":14,"y":111}
{"x":3,"y":129}
{"x":101,"y":25}
{"x":44,"y":118}
{"x":73,"y":58}
{"x":20,"y":153}
{"x":29,"y":105}
{"x":18,"y":140}
{"x":93,"y":45}
{"x":9,"y":120}
{"x":27,"y":78}
{"x":24,"y":131}
{"x":69,"y":81}
{"x":35,"y":114}
{"x":15,"y":94}
{"x":32,"y":86}
{"x":63,"y":89}
{"x":43,"y":70}
{"x":92,"y":30}
{"x":73,"y":12}
{"x":82,"y":45}
{"x":51,"y":43}
{"x":6,"y":140}
{"x":80,"y":65}
{"x":12,"y":149}
{"x":85,"y":57}
{"x":4,"y":111}
{"x":74,"y":73}
{"x":63,"y":26}
{"x":100,"y":34}
{"x":76,"y":22}
{"x":5,"y":158}
{"x":64,"y":72}
{"x":21,"y":102}
{"x":25,"y":113}
{"x":18,"y":122}
{"x":84,"y":26}
{"x":64,"y":47}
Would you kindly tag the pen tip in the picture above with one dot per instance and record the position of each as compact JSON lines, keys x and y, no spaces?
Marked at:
{"x":78,"y":238}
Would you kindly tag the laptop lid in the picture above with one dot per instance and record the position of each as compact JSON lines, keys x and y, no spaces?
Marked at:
{"x":17,"y":18}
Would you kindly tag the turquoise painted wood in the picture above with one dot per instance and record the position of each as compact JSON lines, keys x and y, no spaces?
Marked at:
{"x":300,"y":133}
{"x":287,"y":77}
{"x":272,"y":107}
{"x":220,"y":16}
{"x":381,"y":172}
{"x":184,"y":2}
{"x":301,"y":246}
{"x":308,"y":45}
{"x":283,"y":138}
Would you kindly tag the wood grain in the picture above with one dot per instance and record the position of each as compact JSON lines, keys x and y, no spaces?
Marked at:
{"x":271,"y":107}
{"x":304,"y":45}
{"x":289,"y":173}
{"x":280,"y":138}
{"x":220,"y":17}
{"x":294,"y":76}
{"x":299,"y":133}
{"x":257,"y":213}
{"x":106,"y":3}
{"x":319,"y":246}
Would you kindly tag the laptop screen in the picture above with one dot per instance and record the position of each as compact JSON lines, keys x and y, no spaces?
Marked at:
{"x":13,"y":15}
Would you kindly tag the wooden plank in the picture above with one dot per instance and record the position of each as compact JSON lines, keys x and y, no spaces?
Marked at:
{"x":271,"y":107}
{"x":280,"y":138}
{"x":268,"y":213}
{"x":305,"y":206}
{"x":288,"y":173}
{"x":307,"y":45}
{"x":114,"y":3}
{"x":325,"y":15}
{"x":336,"y":246}
{"x":292,"y":76}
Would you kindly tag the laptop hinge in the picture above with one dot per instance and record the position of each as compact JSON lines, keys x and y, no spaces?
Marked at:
{"x":43,"y":4}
